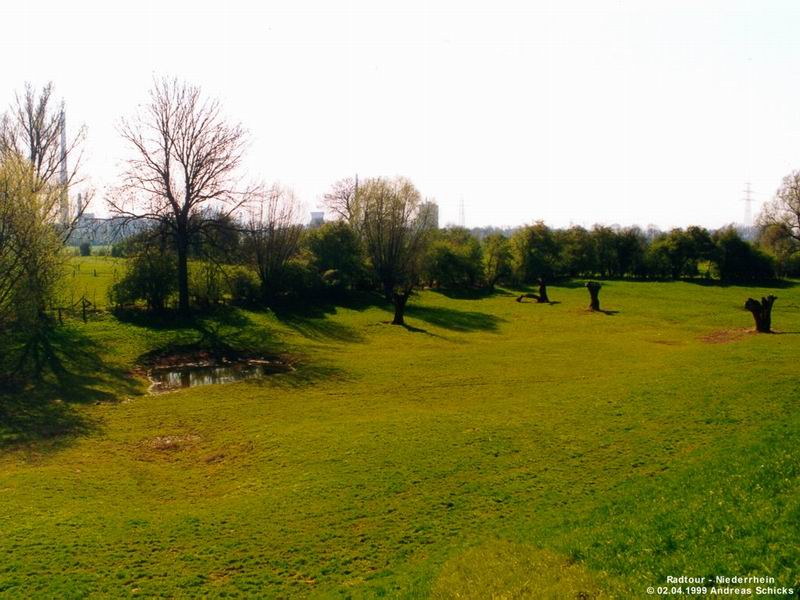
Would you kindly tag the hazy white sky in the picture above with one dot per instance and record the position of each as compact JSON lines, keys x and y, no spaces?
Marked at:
{"x":568,"y":111}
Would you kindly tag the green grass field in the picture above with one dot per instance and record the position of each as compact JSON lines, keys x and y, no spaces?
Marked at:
{"x":491,"y":449}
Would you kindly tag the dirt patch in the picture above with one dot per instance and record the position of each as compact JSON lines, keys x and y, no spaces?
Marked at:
{"x":726,"y":336}
{"x":170,"y":443}
{"x":666,"y":342}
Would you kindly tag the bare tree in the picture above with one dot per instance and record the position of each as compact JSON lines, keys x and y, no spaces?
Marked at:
{"x":272,"y":237}
{"x":783,"y":212}
{"x":34,"y":129}
{"x":186,"y":158}
{"x":396,"y":234}
{"x":341,"y":201}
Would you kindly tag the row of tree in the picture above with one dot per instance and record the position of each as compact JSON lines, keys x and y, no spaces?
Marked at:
{"x":387,"y":245}
{"x":183,"y":181}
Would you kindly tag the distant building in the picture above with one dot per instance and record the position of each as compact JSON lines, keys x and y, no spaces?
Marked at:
{"x":101,"y":232}
{"x":430,"y":210}
{"x":317,"y":219}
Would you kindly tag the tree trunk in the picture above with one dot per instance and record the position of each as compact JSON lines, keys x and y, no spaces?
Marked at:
{"x":543,"y":299}
{"x":594,"y":293}
{"x":399,"y":307}
{"x":762,"y":312}
{"x":183,"y":275}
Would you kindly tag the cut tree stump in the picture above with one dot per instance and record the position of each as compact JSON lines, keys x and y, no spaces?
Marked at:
{"x":762,"y":312}
{"x":594,"y":293}
{"x":542,"y":299}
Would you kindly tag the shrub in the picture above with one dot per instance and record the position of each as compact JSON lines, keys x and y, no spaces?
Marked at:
{"x":244,"y":286}
{"x":206,"y":285}
{"x":152,"y":277}
{"x":86,"y":249}
{"x":335,"y":247}
{"x":455,"y":260}
{"x":737,"y":260}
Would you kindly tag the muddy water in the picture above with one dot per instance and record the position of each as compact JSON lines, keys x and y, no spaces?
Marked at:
{"x":175,"y":377}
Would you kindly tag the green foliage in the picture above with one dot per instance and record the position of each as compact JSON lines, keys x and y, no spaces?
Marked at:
{"x":336,"y":247}
{"x":578,"y":256}
{"x":631,"y":246}
{"x":300,"y":279}
{"x":151,"y":277}
{"x":454,"y":260}
{"x":244,"y":286}
{"x":777,"y":240}
{"x":396,"y":235}
{"x":497,"y":259}
{"x":85,"y":249}
{"x":31,"y":257}
{"x":736,"y":260}
{"x":206,"y":284}
{"x":535,"y":253}
{"x":679,"y":252}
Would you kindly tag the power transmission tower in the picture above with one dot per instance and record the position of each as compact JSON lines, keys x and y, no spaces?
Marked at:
{"x":461,"y":219}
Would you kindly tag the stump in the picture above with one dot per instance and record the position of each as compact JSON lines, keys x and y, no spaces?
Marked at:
{"x":762,"y":312}
{"x":399,"y":301}
{"x":594,"y":293}
{"x":542,"y":293}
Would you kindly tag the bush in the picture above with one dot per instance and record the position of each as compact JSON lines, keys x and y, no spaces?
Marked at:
{"x":455,"y":260}
{"x":737,"y":260}
{"x":152,"y":277}
{"x":86,"y":249}
{"x":299,"y":279}
{"x":335,"y":247}
{"x":244,"y":286}
{"x":205,"y":284}
{"x":497,"y":259}
{"x":535,"y":253}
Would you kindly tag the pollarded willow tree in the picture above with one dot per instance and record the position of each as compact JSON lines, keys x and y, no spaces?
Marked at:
{"x":186,"y":159}
{"x":396,"y":233}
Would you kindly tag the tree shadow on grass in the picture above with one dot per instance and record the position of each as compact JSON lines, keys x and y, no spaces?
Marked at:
{"x":47,"y":375}
{"x":317,"y":325}
{"x":312,"y":319}
{"x":227,"y":333}
{"x":609,"y":313}
{"x":771,"y":284}
{"x":167,"y":320}
{"x":454,"y":320}
{"x":472,"y":294}
{"x":304,"y":375}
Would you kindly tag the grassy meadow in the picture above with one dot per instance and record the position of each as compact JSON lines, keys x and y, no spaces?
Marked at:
{"x":489,"y":449}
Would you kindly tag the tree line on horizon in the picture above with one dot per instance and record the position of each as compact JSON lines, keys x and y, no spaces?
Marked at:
{"x":206,"y":232}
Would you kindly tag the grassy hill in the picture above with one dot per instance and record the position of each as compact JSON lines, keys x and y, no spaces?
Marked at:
{"x":491,"y":448}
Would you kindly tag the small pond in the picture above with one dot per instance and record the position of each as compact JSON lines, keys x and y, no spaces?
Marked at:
{"x":173,"y":377}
